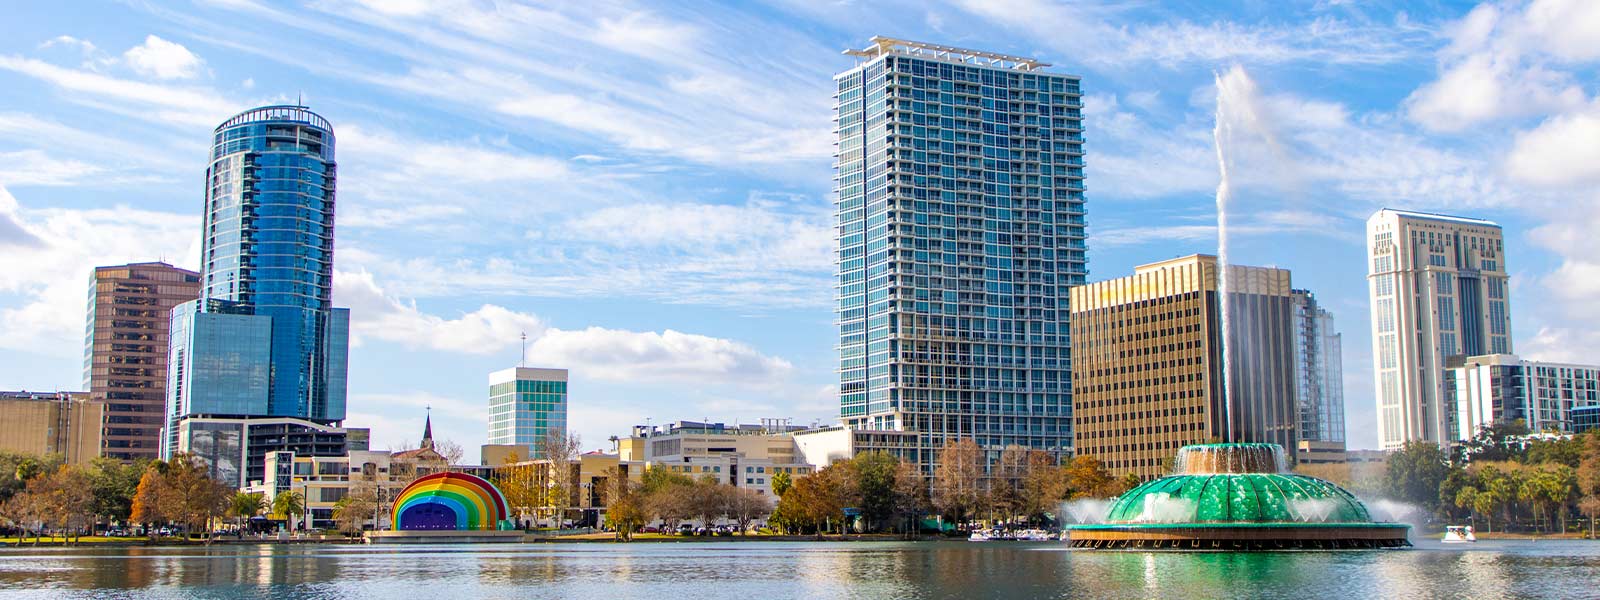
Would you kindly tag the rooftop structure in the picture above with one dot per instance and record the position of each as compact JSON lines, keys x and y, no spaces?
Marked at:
{"x":886,"y":45}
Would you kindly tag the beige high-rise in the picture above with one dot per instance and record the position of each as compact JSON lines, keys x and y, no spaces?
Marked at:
{"x":125,"y":350}
{"x":1439,"y":289}
{"x":1147,"y":374}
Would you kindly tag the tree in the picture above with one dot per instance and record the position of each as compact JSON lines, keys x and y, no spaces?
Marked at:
{"x":352,"y":512}
{"x":709,"y":500}
{"x":519,"y":481}
{"x":244,"y":505}
{"x":910,"y":495}
{"x":625,"y":507}
{"x":746,"y":506}
{"x":289,"y":505}
{"x":560,"y":450}
{"x":1415,"y":472}
{"x":1496,"y":442}
{"x":874,"y":481}
{"x":113,"y":485}
{"x":1588,"y":477}
{"x":781,"y":482}
{"x":450,"y":450}
{"x":1087,"y":477}
{"x":1005,"y":486}
{"x":958,"y":479}
{"x":667,"y":495}
{"x":180,"y":490}
{"x":1044,"y":485}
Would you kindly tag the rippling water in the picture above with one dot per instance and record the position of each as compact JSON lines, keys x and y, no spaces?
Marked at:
{"x":813,"y":571}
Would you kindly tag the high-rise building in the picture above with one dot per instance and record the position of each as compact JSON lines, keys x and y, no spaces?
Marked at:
{"x":961,"y":225}
{"x":525,"y":404}
{"x":125,"y":351}
{"x":40,"y":423}
{"x":1439,"y":289}
{"x":1319,"y":371}
{"x":1497,"y":389}
{"x":263,"y":340}
{"x":1147,"y":368}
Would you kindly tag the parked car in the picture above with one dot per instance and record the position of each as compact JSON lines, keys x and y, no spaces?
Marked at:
{"x":650,"y":529}
{"x":685,"y":529}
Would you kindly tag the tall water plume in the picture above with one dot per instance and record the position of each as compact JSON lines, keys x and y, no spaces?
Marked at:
{"x":1237,"y":108}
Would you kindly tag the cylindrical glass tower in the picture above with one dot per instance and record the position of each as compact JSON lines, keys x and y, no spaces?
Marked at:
{"x":268,"y":249}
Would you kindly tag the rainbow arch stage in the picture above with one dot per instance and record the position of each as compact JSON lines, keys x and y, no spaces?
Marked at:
{"x":449,"y":501}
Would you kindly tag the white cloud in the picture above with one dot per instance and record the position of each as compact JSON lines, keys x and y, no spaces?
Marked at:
{"x":197,"y":107}
{"x":33,"y":167}
{"x":162,"y":59}
{"x":1504,"y":63}
{"x":46,"y":267}
{"x":1563,"y":150}
{"x":595,"y":352}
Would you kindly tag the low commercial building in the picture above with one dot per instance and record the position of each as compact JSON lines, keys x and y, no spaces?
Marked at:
{"x":1502,"y":388}
{"x":1311,"y":452}
{"x":64,"y":423}
{"x":824,"y":446}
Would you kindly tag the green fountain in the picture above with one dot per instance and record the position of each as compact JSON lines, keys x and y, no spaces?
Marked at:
{"x":1237,"y":497}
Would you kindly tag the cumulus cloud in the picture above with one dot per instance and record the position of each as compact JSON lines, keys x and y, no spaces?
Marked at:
{"x":1563,"y":150}
{"x":1505,"y":63}
{"x":597,"y":352}
{"x":162,"y":59}
{"x":49,"y":254}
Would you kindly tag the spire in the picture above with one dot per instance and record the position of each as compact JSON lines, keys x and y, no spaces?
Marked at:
{"x":427,"y":430}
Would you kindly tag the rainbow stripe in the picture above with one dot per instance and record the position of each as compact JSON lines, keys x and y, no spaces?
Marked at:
{"x":440,"y":500}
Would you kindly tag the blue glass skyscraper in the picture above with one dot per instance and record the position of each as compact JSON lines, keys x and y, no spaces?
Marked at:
{"x":264,"y":339}
{"x":961,"y":226}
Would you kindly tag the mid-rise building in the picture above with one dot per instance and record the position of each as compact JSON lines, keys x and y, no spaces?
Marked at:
{"x":1502,"y":388}
{"x":264,"y":340}
{"x":1148,"y":363}
{"x":960,"y":214}
{"x":236,"y":448}
{"x":1319,"y":373}
{"x":524,"y":405}
{"x":125,"y":351}
{"x":1439,"y":289}
{"x":68,"y":424}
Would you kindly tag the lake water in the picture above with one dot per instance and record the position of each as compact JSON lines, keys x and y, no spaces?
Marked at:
{"x":812,"y":571}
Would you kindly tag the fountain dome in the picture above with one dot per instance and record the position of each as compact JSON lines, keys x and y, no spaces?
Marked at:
{"x":1237,"y":496}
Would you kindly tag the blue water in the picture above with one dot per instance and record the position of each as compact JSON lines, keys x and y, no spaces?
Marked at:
{"x":812,"y":571}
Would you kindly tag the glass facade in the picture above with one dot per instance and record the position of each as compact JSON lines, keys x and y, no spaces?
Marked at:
{"x":1319,"y":371}
{"x":220,"y":363}
{"x":526,"y":403}
{"x":960,"y":216}
{"x":267,"y":263}
{"x":126,"y":342}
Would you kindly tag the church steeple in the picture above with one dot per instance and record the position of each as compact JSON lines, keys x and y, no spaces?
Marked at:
{"x":427,"y":430}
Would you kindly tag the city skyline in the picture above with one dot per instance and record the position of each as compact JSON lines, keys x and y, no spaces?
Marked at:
{"x":627,"y":292}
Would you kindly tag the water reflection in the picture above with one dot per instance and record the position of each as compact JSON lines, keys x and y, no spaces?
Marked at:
{"x":812,"y":571}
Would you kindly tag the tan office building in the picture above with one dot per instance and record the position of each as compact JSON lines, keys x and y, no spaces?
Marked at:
{"x":65,"y":423}
{"x":1146,"y":363}
{"x":125,"y":350}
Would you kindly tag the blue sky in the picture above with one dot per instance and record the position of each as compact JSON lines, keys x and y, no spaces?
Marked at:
{"x":646,"y":189}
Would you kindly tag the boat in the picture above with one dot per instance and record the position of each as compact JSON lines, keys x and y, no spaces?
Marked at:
{"x":980,"y":535}
{"x":1459,"y":534}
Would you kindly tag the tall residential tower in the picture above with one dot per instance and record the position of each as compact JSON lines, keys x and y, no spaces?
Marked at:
{"x":1319,"y":371}
{"x":961,"y":225}
{"x":1439,"y":289}
{"x":264,"y":340}
{"x":125,"y":351}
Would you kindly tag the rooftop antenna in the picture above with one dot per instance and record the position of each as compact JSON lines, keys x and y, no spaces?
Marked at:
{"x":523,"y":362}
{"x":299,"y":99}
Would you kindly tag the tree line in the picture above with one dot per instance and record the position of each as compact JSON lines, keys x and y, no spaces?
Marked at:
{"x":1502,"y":479}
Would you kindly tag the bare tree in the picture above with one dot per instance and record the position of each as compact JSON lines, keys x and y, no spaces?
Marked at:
{"x":450,"y":450}
{"x":958,"y":480}
{"x":559,"y":449}
{"x":746,"y":506}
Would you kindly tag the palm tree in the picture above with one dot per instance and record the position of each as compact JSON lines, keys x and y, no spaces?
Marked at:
{"x":245,"y":505}
{"x":289,"y":505}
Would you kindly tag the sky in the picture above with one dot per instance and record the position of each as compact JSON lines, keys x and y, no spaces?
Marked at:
{"x":645,"y":190}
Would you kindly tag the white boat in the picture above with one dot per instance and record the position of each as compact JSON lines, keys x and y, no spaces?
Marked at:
{"x":1459,"y":534}
{"x":980,"y":536}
